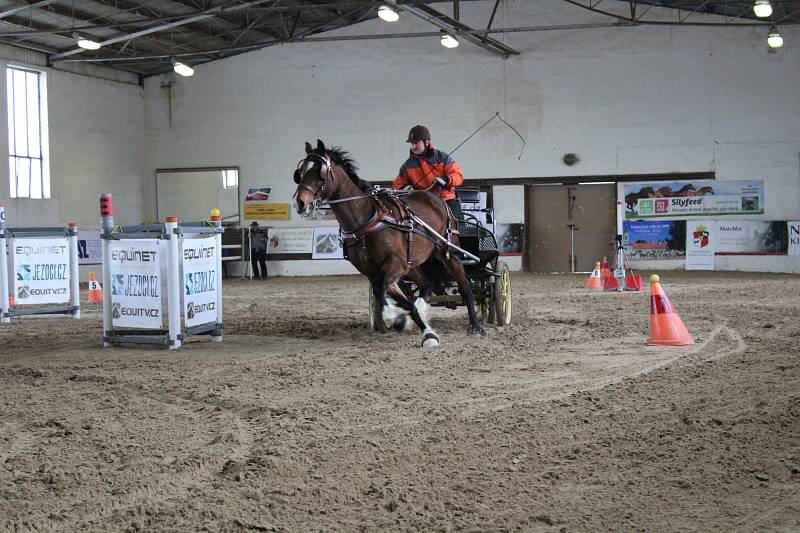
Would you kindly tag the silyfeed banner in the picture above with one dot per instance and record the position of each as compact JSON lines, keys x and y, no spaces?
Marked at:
{"x":707,"y":198}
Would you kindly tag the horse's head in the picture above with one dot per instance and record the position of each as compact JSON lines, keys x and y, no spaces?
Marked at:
{"x":314,"y":178}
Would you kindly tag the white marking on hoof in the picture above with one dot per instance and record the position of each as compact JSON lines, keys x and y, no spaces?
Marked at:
{"x":429,"y":338}
{"x":423,"y":308}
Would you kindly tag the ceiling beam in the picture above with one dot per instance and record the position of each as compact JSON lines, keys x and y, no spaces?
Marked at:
{"x":229,"y":6}
{"x":440,"y":20}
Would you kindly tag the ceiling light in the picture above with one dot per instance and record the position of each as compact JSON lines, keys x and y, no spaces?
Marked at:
{"x":449,"y":41}
{"x":86,"y":43}
{"x":182,"y":68}
{"x":762,"y":8}
{"x":388,"y":14}
{"x":774,"y":39}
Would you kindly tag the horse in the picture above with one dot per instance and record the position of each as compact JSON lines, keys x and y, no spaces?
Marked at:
{"x":664,"y":192}
{"x":632,"y":198}
{"x":379,"y":233}
{"x":686,"y":190}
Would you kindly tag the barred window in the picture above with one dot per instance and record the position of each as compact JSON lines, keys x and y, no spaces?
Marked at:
{"x":27,"y":133}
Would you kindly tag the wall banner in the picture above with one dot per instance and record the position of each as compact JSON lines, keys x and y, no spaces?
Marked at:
{"x":794,"y":237}
{"x":700,"y":243}
{"x":199,"y":281}
{"x":136,"y":283}
{"x":290,"y":241}
{"x":751,"y":237}
{"x":654,"y":240}
{"x":41,"y":270}
{"x":509,"y":238}
{"x":265,"y":211}
{"x":693,"y":198}
{"x":90,"y":247}
{"x":326,"y":244}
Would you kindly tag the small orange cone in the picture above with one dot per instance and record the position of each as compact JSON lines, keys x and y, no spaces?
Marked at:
{"x":594,"y":279}
{"x":605,"y":272}
{"x":666,"y":327}
{"x":610,"y":284}
{"x":11,"y":301}
{"x":95,"y":291}
{"x":633,"y":283}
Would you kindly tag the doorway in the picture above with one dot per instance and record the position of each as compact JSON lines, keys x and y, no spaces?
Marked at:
{"x":570,"y":226}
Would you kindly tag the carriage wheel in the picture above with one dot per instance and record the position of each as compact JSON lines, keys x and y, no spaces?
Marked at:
{"x":485,"y":301}
{"x":502,"y":295}
{"x":375,"y":319}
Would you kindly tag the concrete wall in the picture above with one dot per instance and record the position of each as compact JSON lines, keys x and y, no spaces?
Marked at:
{"x":645,"y":99}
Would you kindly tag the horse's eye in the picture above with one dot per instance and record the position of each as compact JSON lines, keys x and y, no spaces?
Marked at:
{"x":297,"y":176}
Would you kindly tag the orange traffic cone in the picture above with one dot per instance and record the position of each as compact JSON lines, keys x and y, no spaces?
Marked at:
{"x":605,"y":272}
{"x":633,"y":283}
{"x":610,"y":284}
{"x":11,"y":301}
{"x":666,"y":327}
{"x":594,"y":279}
{"x":95,"y":291}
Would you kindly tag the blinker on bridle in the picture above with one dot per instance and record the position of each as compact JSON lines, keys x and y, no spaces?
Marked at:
{"x":325,"y":172}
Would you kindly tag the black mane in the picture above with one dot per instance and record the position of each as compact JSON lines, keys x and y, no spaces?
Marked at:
{"x":345,"y":160}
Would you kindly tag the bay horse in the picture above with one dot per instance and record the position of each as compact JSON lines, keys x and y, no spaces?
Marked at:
{"x":380,"y":237}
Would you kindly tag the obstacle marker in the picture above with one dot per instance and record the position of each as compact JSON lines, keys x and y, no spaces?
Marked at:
{"x":143,"y":264}
{"x":666,"y":327}
{"x":594,"y":282}
{"x":44,"y":265}
{"x":95,"y":290}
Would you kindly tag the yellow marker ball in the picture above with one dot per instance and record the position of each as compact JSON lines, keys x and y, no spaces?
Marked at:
{"x":654,"y":278}
{"x":215,"y":212}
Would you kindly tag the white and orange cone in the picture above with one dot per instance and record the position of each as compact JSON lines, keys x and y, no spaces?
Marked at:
{"x":666,"y":327}
{"x":594,"y":282}
{"x":95,"y":290}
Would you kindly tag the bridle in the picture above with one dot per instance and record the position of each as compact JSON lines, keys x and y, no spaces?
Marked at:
{"x":325,"y":174}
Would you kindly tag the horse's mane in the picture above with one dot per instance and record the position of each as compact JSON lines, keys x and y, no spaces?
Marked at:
{"x":343,"y":158}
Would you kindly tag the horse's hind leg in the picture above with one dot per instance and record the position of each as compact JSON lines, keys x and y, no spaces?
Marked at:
{"x":457,"y":270}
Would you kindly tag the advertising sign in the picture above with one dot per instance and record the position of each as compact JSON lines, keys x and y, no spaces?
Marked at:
{"x":290,"y":241}
{"x":136,"y":284}
{"x":794,"y":237}
{"x":199,"y":281}
{"x":654,"y":239}
{"x":326,"y":244}
{"x":751,"y":237}
{"x":41,"y":270}
{"x":700,"y":243}
{"x":693,"y":198}
{"x":90,"y":249}
{"x":509,"y":238}
{"x":265,"y":211}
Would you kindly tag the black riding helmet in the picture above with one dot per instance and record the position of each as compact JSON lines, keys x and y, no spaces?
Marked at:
{"x":418,"y":133}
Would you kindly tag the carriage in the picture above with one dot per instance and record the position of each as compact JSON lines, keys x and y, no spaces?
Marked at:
{"x":489,"y":277}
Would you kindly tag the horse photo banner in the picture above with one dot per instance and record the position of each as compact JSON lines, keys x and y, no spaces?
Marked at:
{"x":290,"y":241}
{"x":136,"y":283}
{"x":326,"y":244}
{"x":41,"y":270}
{"x":693,"y":198}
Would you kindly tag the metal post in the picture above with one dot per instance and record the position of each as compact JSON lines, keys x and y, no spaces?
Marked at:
{"x":4,"y":318}
{"x":74,"y":273}
{"x":216,"y":220}
{"x":619,"y":271}
{"x":107,"y":225}
{"x":173,"y":282}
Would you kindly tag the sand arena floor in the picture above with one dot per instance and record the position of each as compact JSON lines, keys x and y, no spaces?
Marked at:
{"x":304,"y":420}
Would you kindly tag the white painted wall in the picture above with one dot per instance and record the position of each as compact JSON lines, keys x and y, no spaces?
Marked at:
{"x":645,"y":99}
{"x":96,"y":145}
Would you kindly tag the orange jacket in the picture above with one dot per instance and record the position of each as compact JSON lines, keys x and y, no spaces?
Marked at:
{"x":421,"y":171}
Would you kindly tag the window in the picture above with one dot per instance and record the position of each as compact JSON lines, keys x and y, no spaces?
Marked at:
{"x":29,"y":173}
{"x":230,"y":179}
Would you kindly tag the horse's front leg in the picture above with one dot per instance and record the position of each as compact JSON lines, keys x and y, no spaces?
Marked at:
{"x":457,"y":271}
{"x":429,"y":336}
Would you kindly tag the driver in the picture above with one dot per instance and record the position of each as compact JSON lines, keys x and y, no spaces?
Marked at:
{"x":428,"y":166}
